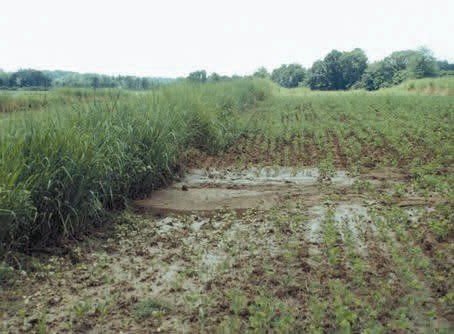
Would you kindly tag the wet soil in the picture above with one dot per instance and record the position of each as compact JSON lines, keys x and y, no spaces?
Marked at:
{"x":262,"y":249}
{"x":260,"y":188}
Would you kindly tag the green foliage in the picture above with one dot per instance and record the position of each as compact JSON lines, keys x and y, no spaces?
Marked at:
{"x":4,"y":79}
{"x":338,"y":70}
{"x":353,"y":64}
{"x":399,"y":66}
{"x":262,"y":73}
{"x":198,"y":76}
{"x":444,"y":65}
{"x":423,"y":64}
{"x":288,"y":76}
{"x":29,"y":78}
{"x":44,"y":79}
{"x":62,"y":169}
{"x":214,"y":77}
{"x":270,"y":314}
{"x":150,"y":307}
{"x":238,"y":301}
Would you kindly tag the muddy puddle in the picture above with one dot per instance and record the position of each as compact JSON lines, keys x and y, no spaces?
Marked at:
{"x":265,"y":176}
{"x":261,"y":188}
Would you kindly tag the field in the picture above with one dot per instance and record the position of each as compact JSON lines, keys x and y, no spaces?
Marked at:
{"x":228,"y":207}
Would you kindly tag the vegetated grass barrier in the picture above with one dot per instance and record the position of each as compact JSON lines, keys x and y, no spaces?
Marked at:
{"x":63,"y":169}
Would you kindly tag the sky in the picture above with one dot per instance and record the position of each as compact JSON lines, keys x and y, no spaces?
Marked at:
{"x":171,"y":38}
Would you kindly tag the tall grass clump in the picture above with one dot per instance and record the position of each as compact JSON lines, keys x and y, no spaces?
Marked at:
{"x":63,"y":169}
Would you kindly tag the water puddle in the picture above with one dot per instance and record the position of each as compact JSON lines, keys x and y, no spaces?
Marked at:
{"x":262,"y":177}
{"x":206,"y":200}
{"x":261,"y":188}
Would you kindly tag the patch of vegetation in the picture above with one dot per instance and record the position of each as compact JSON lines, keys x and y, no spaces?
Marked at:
{"x":150,"y":307}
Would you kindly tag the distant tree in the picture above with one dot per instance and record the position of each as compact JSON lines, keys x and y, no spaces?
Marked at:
{"x":377,"y":75}
{"x":198,"y":76}
{"x":334,"y":70}
{"x":352,"y":64}
{"x":130,"y":82}
{"x":289,"y":76}
{"x":444,"y":65}
{"x":399,"y":66}
{"x":95,"y":82}
{"x":318,"y":77}
{"x":29,"y":78}
{"x":398,"y":60}
{"x":422,"y":64}
{"x":214,"y":77}
{"x":338,"y":70}
{"x":145,"y":83}
{"x":4,"y":79}
{"x":261,"y":73}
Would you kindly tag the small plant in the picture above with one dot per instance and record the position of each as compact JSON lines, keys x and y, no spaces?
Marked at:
{"x":238,"y":301}
{"x":269,"y":314}
{"x":150,"y":307}
{"x":82,"y":308}
{"x":362,"y":186}
{"x":326,"y":169}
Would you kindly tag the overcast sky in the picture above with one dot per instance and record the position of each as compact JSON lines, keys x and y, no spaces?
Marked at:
{"x":172,"y":38}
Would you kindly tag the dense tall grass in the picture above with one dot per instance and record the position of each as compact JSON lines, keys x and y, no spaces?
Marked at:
{"x":63,"y":168}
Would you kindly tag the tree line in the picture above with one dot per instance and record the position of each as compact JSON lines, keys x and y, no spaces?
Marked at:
{"x":336,"y":71}
{"x":350,"y":70}
{"x":30,"y":78}
{"x":345,"y":70}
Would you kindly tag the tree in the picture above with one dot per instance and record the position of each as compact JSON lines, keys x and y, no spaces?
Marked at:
{"x":444,"y":65}
{"x":352,"y":64}
{"x":4,"y":79}
{"x":422,"y":64}
{"x":338,"y":70}
{"x":334,"y":70}
{"x":377,"y":75}
{"x":29,"y":78}
{"x":261,"y":73}
{"x":145,"y":83}
{"x":398,"y":60}
{"x":198,"y":76}
{"x":289,"y":76}
{"x":214,"y":77}
{"x":399,"y":66}
{"x":318,"y":78}
{"x":95,"y":82}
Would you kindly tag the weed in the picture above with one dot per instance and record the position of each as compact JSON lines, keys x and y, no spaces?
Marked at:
{"x":151,"y":307}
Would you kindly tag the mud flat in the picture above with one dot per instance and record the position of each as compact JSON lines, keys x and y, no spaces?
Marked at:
{"x":260,"y":188}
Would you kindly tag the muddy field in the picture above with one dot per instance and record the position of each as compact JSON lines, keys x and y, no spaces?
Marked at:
{"x":253,"y":249}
